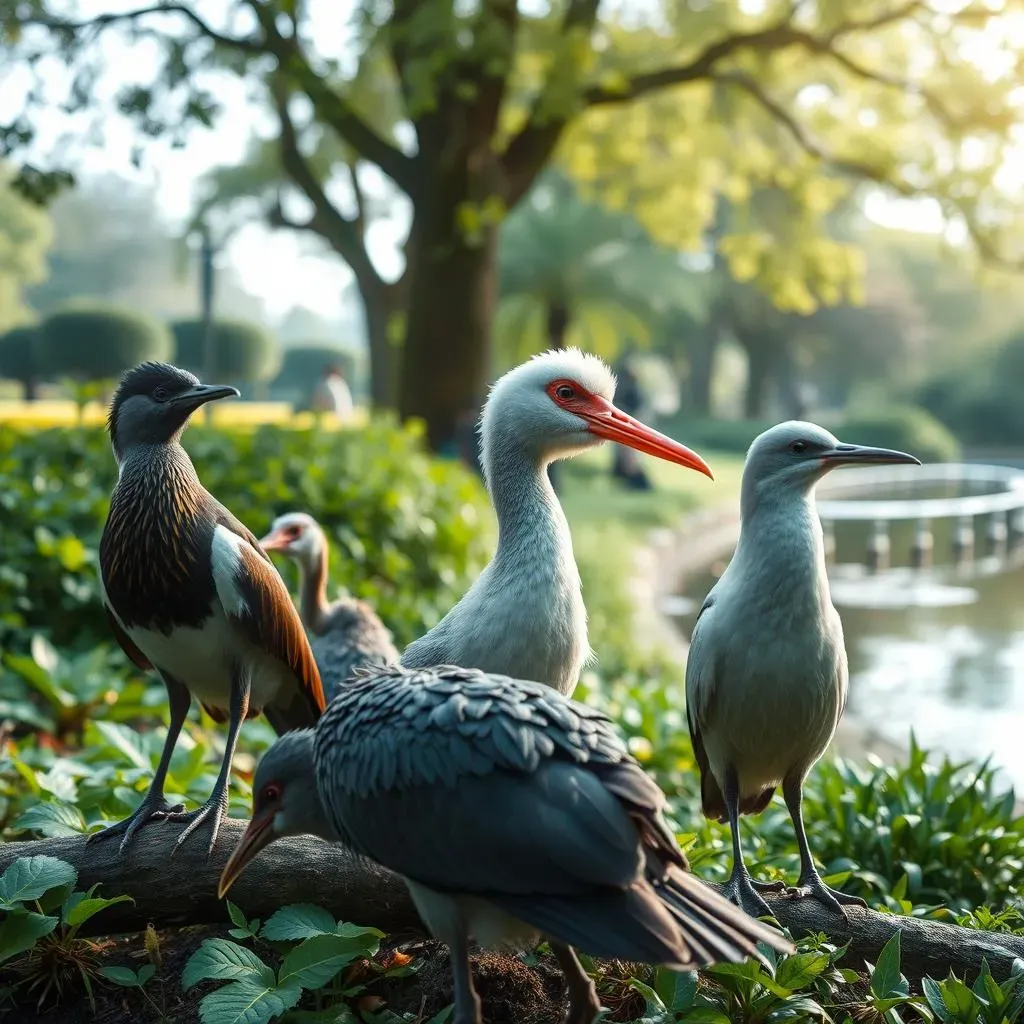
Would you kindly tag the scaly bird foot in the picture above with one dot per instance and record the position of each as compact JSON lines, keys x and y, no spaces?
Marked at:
{"x":776,"y":887}
{"x":215,"y":809}
{"x":741,"y":892}
{"x":832,"y":898}
{"x":151,"y":809}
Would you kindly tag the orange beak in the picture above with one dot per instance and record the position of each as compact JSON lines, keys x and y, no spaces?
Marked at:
{"x":274,"y":541}
{"x":258,"y":834}
{"x":604,"y":420}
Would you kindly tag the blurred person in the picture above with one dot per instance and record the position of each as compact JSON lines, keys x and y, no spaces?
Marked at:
{"x":332,"y":394}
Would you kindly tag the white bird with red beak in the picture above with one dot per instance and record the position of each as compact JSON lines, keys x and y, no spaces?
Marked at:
{"x":525,"y":617}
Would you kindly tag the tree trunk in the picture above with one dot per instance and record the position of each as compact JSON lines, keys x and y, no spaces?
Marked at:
{"x":760,"y":368}
{"x":447,"y":355}
{"x":557,"y":323}
{"x":382,"y":303}
{"x":702,"y":370}
{"x":30,"y":389}
{"x":307,"y":870}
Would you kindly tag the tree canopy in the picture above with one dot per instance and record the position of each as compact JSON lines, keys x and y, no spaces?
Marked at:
{"x":24,"y":238}
{"x":779,"y":108}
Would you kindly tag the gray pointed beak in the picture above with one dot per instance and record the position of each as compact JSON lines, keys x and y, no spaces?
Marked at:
{"x":863,"y":455}
{"x":203,"y":393}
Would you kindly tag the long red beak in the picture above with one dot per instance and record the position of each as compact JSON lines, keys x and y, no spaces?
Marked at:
{"x":257,"y":835}
{"x":613,"y":424}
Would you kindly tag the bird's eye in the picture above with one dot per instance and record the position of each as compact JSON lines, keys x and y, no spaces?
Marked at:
{"x":293,"y":532}
{"x":160,"y":393}
{"x":798,"y":447}
{"x":270,"y":793}
{"x":565,"y":392}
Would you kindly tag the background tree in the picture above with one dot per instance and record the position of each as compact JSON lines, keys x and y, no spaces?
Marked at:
{"x":728,"y":99}
{"x":24,"y":237}
{"x":575,"y":273}
{"x":19,"y":359}
{"x":243,"y":351}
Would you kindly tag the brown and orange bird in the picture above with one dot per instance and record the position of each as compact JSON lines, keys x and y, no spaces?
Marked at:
{"x":190,"y":593}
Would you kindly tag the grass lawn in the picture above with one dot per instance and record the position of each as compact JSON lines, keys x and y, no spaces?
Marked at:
{"x":592,"y":497}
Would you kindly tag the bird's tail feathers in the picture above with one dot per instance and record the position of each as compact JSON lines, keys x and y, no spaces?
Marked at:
{"x":717,"y":930}
{"x":614,"y":924}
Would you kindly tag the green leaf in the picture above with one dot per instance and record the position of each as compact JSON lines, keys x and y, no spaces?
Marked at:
{"x":885,"y":978}
{"x":78,"y":911}
{"x":933,"y":994}
{"x":298,"y":921}
{"x":236,"y":915}
{"x":318,"y":960}
{"x":676,"y":988}
{"x":123,"y":976}
{"x":126,"y":740}
{"x":55,"y":819}
{"x":28,"y":878}
{"x":247,"y":1002}
{"x":798,"y":971}
{"x":21,"y":930}
{"x":962,"y":1002}
{"x":218,"y":959}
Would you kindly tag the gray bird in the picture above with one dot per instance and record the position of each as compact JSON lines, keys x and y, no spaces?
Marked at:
{"x":511,"y":812}
{"x":189,"y":592}
{"x":524,"y":616}
{"x":347,"y":633}
{"x":766,"y":676}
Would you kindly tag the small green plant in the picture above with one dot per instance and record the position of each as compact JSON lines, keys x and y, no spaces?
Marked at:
{"x":1009,"y":920}
{"x":986,"y":1002}
{"x":316,"y":949}
{"x":42,"y":915}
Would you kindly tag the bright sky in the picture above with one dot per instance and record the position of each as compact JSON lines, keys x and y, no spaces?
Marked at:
{"x":282,"y":268}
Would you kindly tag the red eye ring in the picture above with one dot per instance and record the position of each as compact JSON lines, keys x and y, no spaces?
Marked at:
{"x":564,"y":391}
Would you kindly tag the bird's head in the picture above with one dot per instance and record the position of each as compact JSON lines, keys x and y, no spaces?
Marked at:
{"x":794,"y":456}
{"x":559,"y":404}
{"x":285,"y":802}
{"x":153,"y":402}
{"x":297,"y":535}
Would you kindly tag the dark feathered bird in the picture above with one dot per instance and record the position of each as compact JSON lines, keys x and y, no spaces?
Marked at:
{"x":347,"y":633}
{"x":512,"y":812}
{"x":189,"y":592}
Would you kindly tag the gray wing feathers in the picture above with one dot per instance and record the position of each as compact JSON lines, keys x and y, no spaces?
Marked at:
{"x":555,"y":832}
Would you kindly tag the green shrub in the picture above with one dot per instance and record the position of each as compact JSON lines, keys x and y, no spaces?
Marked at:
{"x":19,"y":357}
{"x":734,"y":436}
{"x":94,"y":343}
{"x":905,"y":427}
{"x":245,"y":352}
{"x":406,"y":529}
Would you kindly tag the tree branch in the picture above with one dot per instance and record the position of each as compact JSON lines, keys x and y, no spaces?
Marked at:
{"x":102,"y":21}
{"x":868,"y":172}
{"x":331,"y":108}
{"x":529,"y":150}
{"x":342,"y":234}
{"x":307,"y":870}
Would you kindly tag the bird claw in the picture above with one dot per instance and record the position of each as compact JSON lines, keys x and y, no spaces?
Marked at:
{"x":740,"y":890}
{"x":831,"y":898}
{"x":215,"y":807}
{"x":149,"y":810}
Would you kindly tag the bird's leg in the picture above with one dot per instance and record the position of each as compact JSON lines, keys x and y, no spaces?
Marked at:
{"x":809,"y":882}
{"x":217,"y":806}
{"x":740,"y":888}
{"x":154,"y":806}
{"x":467,"y":1002}
{"x":584,"y":1005}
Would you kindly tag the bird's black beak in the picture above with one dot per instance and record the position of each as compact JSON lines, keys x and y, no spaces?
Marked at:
{"x":863,"y":455}
{"x":203,"y":393}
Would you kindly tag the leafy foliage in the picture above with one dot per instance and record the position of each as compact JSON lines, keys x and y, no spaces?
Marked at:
{"x":90,"y":342}
{"x":19,"y":355}
{"x":243,"y":351}
{"x":25,"y":235}
{"x":405,"y":530}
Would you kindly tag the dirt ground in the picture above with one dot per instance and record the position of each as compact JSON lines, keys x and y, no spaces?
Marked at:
{"x":512,"y":991}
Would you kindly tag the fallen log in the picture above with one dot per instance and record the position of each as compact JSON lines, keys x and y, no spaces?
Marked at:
{"x":181,"y":889}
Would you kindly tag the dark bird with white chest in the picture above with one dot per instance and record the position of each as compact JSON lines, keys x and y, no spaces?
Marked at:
{"x":766,"y":676}
{"x":511,"y":812}
{"x":189,"y":592}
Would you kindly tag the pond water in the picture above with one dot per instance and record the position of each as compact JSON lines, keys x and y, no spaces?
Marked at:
{"x":939,"y":651}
